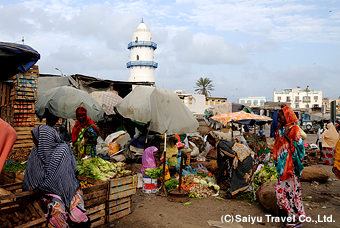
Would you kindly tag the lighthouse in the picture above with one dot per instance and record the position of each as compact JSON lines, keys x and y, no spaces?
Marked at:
{"x":142,"y":64}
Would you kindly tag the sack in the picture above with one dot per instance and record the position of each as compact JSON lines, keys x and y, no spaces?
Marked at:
{"x":302,"y":133}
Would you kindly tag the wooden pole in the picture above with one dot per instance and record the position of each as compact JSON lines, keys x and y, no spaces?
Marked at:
{"x":180,"y":173}
{"x":255,"y":137}
{"x":164,"y":161}
{"x":232,"y":131}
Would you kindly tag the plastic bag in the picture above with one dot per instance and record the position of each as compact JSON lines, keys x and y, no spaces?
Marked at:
{"x":201,"y":168}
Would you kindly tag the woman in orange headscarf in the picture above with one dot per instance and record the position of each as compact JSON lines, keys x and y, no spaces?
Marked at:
{"x":288,"y":153}
{"x":84,"y":134}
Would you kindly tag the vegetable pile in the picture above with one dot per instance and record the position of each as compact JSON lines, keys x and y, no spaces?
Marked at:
{"x":16,"y":219}
{"x":13,"y":167}
{"x":154,"y":173}
{"x":171,"y":184}
{"x":266,"y":174}
{"x":100,"y":169}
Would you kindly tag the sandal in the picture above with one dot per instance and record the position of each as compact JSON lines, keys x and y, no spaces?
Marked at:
{"x":229,"y":196}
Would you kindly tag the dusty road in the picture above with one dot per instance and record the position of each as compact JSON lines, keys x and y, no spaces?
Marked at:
{"x":148,"y":210}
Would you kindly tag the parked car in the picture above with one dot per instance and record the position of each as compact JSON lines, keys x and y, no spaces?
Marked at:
{"x":309,"y":126}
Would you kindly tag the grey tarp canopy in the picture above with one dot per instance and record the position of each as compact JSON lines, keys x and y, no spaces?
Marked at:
{"x":64,"y":100}
{"x":161,"y":107}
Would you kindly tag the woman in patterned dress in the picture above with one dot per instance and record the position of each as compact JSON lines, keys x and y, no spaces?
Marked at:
{"x":84,"y":134}
{"x":234,"y":162}
{"x":288,"y":153}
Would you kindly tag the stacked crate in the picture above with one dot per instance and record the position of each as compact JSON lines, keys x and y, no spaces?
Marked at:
{"x":94,"y":200}
{"x":22,"y":97}
{"x":119,"y":201}
{"x":5,"y":106}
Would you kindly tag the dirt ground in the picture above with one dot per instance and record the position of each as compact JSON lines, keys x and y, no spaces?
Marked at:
{"x":149,"y":210}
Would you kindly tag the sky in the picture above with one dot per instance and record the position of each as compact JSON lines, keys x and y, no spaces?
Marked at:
{"x":246,"y":47}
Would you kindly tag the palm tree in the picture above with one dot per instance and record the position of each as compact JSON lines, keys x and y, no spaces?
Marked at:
{"x":204,"y":86}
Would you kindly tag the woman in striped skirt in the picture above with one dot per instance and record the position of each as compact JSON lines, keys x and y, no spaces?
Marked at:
{"x":51,"y":174}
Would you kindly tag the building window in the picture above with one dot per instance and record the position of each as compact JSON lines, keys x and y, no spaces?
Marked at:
{"x":256,"y":102}
{"x":297,"y":99}
{"x":316,"y":98}
{"x":296,"y":105}
{"x":279,"y":98}
{"x":243,"y":101}
{"x":288,"y":99}
{"x":136,"y":39}
{"x":306,"y":99}
{"x":137,"y":57}
{"x":262,"y":102}
{"x":248,"y":101}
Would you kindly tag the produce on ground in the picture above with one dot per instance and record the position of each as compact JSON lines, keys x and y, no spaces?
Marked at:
{"x":171,"y":184}
{"x":266,"y":174}
{"x":100,"y":169}
{"x":201,"y":190}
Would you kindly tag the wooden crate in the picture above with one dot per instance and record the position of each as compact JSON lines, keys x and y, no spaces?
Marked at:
{"x":10,"y":178}
{"x":312,"y":156}
{"x":11,"y":204}
{"x":95,"y":200}
{"x":119,"y":208}
{"x":119,"y":197}
{"x":122,"y":187}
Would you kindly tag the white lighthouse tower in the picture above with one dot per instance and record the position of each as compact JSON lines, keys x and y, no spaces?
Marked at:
{"x":141,"y":64}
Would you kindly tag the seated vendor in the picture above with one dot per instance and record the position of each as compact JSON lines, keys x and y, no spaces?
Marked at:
{"x":234,"y":162}
{"x":51,"y":175}
{"x":263,"y":155}
{"x":171,"y":150}
{"x":84,"y":134}
{"x":148,"y":158}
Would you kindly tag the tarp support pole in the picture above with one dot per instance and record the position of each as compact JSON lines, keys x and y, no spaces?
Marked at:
{"x":164,"y":161}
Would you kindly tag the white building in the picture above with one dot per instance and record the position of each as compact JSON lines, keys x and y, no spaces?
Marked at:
{"x":299,"y":98}
{"x":252,"y":101}
{"x":198,"y":103}
{"x":141,"y":64}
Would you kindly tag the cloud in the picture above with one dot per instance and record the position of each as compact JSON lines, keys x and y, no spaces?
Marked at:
{"x":202,"y":48}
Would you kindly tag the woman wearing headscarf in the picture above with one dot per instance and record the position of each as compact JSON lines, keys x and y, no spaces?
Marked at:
{"x":84,"y":134}
{"x":51,"y":174}
{"x":148,"y":158}
{"x":235,"y":163}
{"x":288,"y":153}
{"x":329,"y":141}
{"x":263,"y":155}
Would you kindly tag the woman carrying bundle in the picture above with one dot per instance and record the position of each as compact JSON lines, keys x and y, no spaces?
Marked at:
{"x":288,"y":153}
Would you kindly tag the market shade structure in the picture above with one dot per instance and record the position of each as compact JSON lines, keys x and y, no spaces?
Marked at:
{"x":241,"y":117}
{"x":16,"y":58}
{"x":161,"y":107}
{"x":64,"y":100}
{"x":107,"y":100}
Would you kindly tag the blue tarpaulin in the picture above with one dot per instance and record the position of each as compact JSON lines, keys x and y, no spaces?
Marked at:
{"x":15,"y":58}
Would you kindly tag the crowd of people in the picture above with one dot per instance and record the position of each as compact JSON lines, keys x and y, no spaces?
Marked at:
{"x":51,"y":171}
